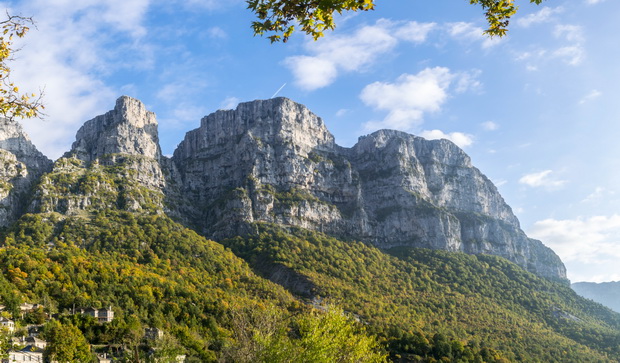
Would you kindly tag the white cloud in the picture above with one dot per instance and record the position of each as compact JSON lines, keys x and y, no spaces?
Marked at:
{"x":591,"y":242}
{"x":572,"y":33}
{"x":572,"y":55}
{"x":469,"y":32}
{"x":460,"y":139}
{"x":68,"y":55}
{"x":541,"y":179}
{"x":500,"y":182}
{"x":206,"y":4}
{"x":217,"y":33}
{"x":414,"y":32}
{"x":229,"y":103}
{"x":490,"y":126}
{"x":312,"y":72}
{"x":599,"y":194}
{"x":352,"y":52}
{"x":411,"y":96}
{"x":592,"y":95}
{"x":593,"y":2}
{"x":542,"y":16}
{"x":341,"y":112}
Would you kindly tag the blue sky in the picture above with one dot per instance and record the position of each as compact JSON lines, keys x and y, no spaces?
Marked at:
{"x":537,"y":111}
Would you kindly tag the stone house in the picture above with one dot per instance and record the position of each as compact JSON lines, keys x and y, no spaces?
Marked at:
{"x":103,"y":315}
{"x":7,"y":324}
{"x":28,"y":354}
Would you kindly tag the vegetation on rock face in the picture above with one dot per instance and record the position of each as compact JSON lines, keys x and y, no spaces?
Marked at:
{"x":74,"y":186}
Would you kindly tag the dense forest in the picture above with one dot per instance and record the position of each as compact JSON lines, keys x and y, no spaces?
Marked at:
{"x":331,"y":301}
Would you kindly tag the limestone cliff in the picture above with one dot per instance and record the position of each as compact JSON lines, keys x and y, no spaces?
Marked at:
{"x":274,"y":161}
{"x":21,"y":164}
{"x":115,"y":162}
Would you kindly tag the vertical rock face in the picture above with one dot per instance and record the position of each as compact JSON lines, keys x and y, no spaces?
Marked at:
{"x":238,"y":161}
{"x":21,"y":164}
{"x":115,"y":162}
{"x":274,"y":161}
{"x":128,"y":129}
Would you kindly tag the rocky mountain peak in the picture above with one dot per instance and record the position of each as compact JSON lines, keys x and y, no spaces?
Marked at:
{"x":16,"y":141}
{"x":273,"y":121}
{"x":21,"y":164}
{"x":127,"y":129}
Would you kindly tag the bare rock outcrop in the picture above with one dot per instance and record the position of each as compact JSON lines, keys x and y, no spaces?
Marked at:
{"x":115,"y":162}
{"x":21,"y":165}
{"x":274,"y":161}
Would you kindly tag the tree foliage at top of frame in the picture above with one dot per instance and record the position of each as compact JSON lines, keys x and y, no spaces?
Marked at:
{"x":314,"y":17}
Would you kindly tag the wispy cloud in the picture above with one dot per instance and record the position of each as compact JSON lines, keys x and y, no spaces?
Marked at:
{"x":462,"y":140}
{"x":544,"y":15}
{"x":229,"y":103}
{"x":573,"y":53}
{"x":411,"y":96}
{"x":592,"y":95}
{"x":471,"y":33}
{"x":216,"y":32}
{"x":490,"y":126}
{"x":541,"y":179}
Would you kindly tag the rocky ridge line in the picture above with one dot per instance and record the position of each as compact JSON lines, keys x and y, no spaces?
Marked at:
{"x":274,"y":161}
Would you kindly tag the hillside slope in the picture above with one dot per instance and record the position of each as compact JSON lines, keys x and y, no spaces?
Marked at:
{"x":108,"y":225}
{"x":411,"y":294}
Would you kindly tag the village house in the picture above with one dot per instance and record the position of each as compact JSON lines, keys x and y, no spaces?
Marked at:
{"x":7,"y":324}
{"x":31,"y":341}
{"x":103,"y":315}
{"x":28,"y":354}
{"x":153,"y":333}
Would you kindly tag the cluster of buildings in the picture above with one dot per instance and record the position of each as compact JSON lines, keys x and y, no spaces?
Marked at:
{"x":32,"y":346}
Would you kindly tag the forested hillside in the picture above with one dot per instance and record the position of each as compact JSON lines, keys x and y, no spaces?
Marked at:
{"x":416,"y":304}
{"x":414,"y":297}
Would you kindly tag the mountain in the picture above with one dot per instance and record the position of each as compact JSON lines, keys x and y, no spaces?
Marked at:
{"x":408,"y":247}
{"x":274,"y":161}
{"x":21,"y":165}
{"x":606,"y":293}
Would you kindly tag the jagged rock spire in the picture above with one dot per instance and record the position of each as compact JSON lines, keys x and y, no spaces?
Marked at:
{"x":128,"y":129}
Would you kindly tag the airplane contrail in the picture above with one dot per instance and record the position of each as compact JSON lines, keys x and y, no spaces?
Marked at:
{"x":278,"y":91}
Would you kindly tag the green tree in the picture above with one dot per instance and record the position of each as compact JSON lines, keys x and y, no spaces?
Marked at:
{"x":316,"y":16}
{"x":12,"y":103}
{"x":326,"y":337}
{"x":5,"y":343}
{"x":65,"y":343}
